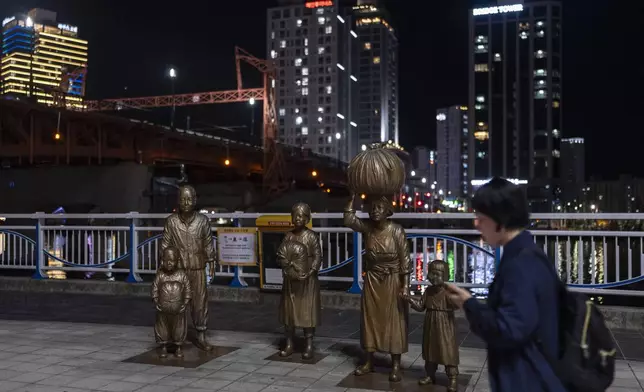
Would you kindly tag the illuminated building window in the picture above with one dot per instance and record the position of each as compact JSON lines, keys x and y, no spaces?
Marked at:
{"x":539,"y":84}
{"x":481,"y":135}
{"x":376,"y":60}
{"x":282,"y":43}
{"x":480,"y":39}
{"x":540,"y":72}
{"x":328,"y":30}
{"x":540,"y":54}
{"x":298,"y":62}
{"x":479,"y":107}
{"x":320,"y":49}
{"x":299,"y":22}
{"x":523,"y":35}
{"x":540,"y":23}
{"x":481,"y":126}
{"x":480,"y":98}
{"x":555,"y":104}
{"x":497,"y":56}
{"x":305,"y":91}
{"x":328,"y":89}
{"x":305,"y":131}
{"x":367,"y":45}
{"x":480,"y":68}
{"x":541,"y":33}
{"x":321,"y":20}
{"x":480,"y":49}
{"x":305,"y":71}
{"x":556,"y":153}
{"x":540,"y":94}
{"x":282,"y":112}
{"x":305,"y":81}
{"x":480,"y":155}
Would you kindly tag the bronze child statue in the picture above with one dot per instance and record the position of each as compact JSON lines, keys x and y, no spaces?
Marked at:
{"x":439,"y":337}
{"x":300,"y":257}
{"x":171,"y":293}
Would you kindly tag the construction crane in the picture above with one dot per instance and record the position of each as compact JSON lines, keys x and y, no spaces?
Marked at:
{"x":275,"y":176}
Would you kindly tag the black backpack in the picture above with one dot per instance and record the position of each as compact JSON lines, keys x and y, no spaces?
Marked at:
{"x":585,"y":360}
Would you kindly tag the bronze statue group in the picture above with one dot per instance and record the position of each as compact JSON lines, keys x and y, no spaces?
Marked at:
{"x":180,"y":285}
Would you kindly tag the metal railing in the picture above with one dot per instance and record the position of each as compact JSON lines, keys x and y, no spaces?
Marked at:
{"x":589,"y":260}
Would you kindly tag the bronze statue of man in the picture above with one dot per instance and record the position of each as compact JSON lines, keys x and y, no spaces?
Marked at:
{"x":190,"y":232}
{"x":385,"y":314}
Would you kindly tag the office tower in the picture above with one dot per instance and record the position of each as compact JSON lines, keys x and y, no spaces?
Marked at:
{"x":43,"y":59}
{"x":573,"y":161}
{"x":376,"y":59}
{"x":515,"y":92}
{"x":311,"y":43}
{"x":424,"y":163}
{"x":452,"y":150}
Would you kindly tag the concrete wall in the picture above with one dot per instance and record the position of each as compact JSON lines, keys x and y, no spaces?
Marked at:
{"x":119,"y":188}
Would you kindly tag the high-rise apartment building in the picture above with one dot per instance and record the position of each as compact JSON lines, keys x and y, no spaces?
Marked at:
{"x":573,"y":161}
{"x":310,"y":43}
{"x":376,"y":59}
{"x":323,"y":102}
{"x":452,"y":143}
{"x":515,"y":88}
{"x":43,"y":59}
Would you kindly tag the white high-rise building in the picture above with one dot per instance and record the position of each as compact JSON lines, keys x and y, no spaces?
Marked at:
{"x":337,"y":75}
{"x":310,"y":43}
{"x":452,"y":150}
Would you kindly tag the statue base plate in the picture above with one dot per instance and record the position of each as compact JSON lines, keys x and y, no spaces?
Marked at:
{"x":193,"y":357}
{"x":379,"y":381}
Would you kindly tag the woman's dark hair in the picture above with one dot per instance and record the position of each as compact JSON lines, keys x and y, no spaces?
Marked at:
{"x":504,"y":202}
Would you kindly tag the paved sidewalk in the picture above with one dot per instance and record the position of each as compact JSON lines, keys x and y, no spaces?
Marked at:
{"x":231,"y":316}
{"x":75,"y":357}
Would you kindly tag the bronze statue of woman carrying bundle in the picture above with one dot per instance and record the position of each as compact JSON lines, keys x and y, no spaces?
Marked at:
{"x":384,"y":323}
{"x":300,"y":257}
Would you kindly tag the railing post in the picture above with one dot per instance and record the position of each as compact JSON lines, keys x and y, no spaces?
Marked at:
{"x":133,"y":276}
{"x":238,"y":280}
{"x":39,"y":247}
{"x":357,"y":258}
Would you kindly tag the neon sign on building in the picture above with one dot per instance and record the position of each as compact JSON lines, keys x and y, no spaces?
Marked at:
{"x":502,"y":9}
{"x":318,"y":4}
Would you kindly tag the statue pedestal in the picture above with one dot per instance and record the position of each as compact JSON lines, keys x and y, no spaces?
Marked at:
{"x":193,"y":357}
{"x":379,"y":381}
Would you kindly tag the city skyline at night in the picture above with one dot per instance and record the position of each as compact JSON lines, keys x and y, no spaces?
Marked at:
{"x":433,"y":63}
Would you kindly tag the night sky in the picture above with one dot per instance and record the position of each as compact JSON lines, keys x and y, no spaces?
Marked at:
{"x":132,"y":44}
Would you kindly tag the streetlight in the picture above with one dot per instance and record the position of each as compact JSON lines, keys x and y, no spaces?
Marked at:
{"x":251,"y":102}
{"x":423,"y":180}
{"x":413,"y":173}
{"x":364,"y":147}
{"x":173,"y":75}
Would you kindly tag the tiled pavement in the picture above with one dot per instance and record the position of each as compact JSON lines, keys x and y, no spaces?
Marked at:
{"x":77,"y":357}
{"x":41,"y":353}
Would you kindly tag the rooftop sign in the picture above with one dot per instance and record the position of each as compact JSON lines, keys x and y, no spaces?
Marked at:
{"x":502,"y":9}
